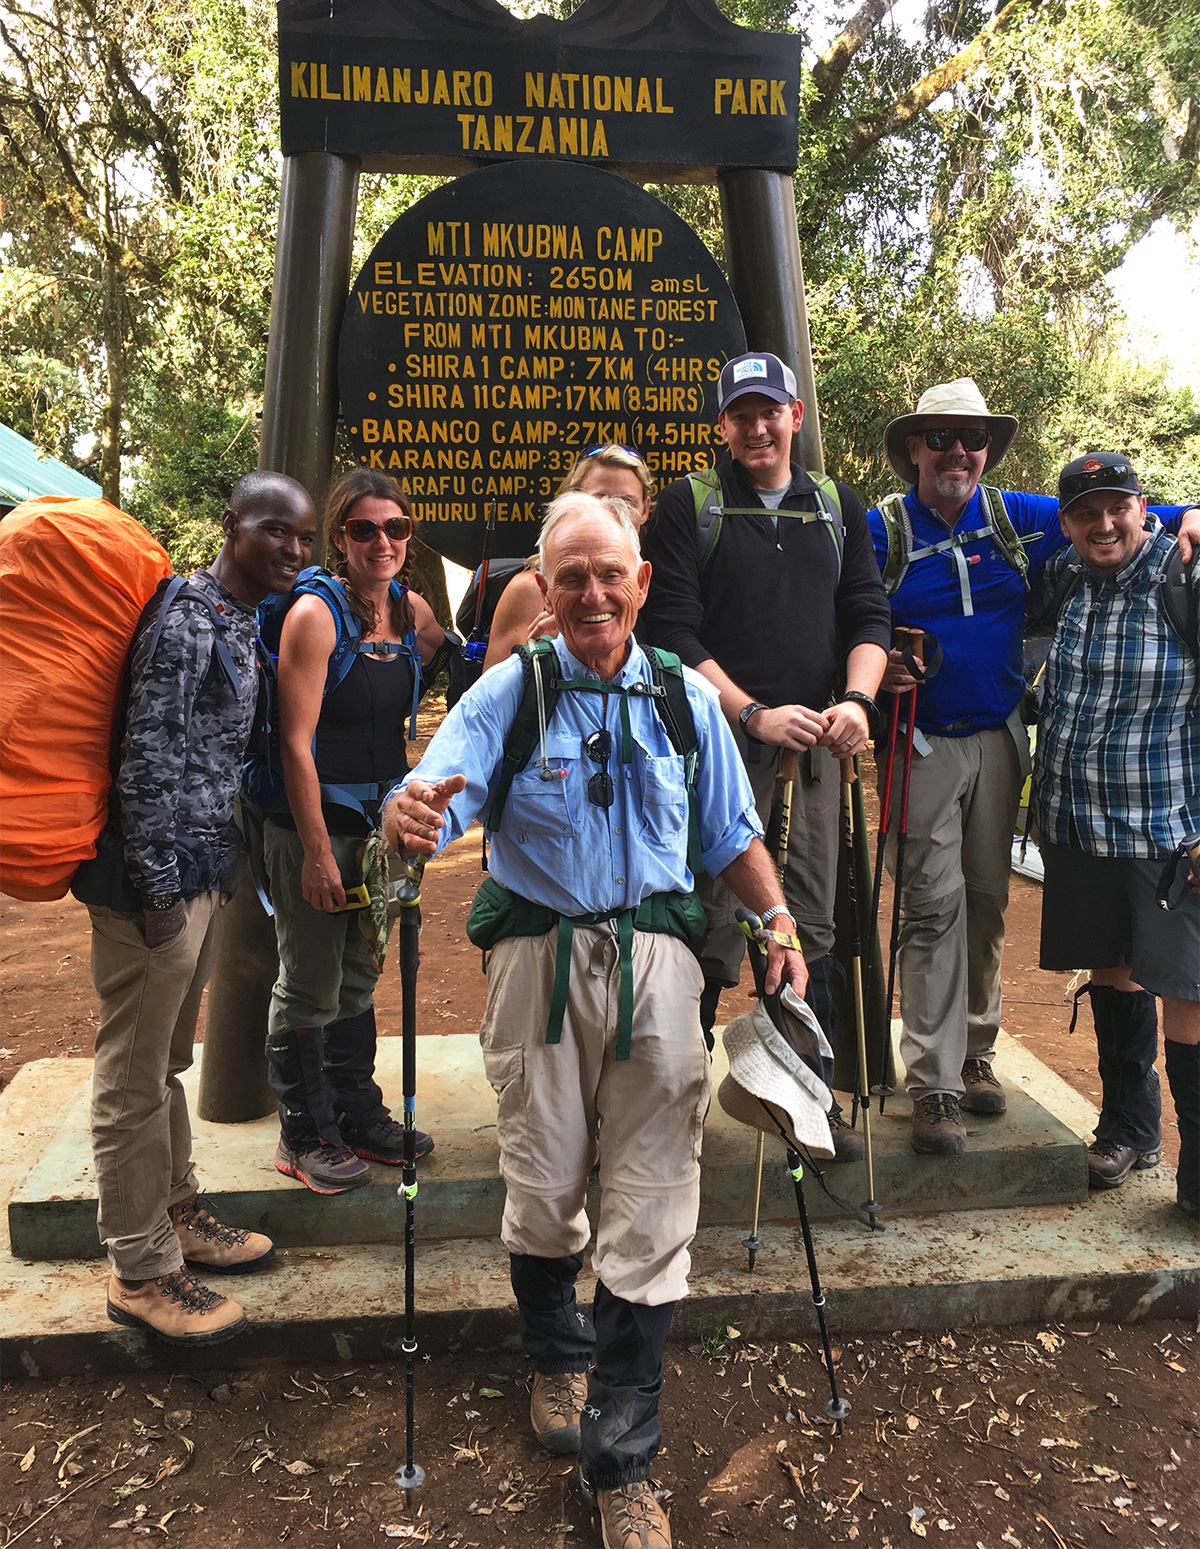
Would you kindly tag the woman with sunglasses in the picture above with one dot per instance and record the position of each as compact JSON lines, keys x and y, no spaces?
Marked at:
{"x":321,"y":1039}
{"x":618,"y":472}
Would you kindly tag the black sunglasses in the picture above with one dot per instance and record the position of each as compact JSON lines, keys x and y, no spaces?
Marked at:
{"x":1120,"y":475}
{"x":601,"y":791}
{"x":605,"y":446}
{"x":943,"y":438}
{"x":364,"y":531}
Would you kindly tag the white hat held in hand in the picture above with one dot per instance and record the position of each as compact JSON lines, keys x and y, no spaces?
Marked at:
{"x":765,"y":1064}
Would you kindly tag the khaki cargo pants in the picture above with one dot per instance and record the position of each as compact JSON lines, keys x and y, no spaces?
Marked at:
{"x":565,"y":1106}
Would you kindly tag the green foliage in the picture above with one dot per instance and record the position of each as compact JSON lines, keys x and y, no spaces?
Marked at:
{"x":187,"y":477}
{"x":963,"y":188}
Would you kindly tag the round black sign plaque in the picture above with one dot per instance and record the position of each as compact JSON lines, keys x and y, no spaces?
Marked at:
{"x":516,"y":317}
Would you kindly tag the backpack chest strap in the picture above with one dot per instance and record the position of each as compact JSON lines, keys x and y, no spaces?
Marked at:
{"x":954,"y":545}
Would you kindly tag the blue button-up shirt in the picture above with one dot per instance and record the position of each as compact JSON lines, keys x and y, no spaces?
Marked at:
{"x":555,"y":846}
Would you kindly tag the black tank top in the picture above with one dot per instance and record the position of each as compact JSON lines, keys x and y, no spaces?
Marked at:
{"x":360,"y":733}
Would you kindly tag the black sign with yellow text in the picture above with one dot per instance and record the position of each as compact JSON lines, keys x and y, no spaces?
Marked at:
{"x":512,"y":319}
{"x":437,"y":85}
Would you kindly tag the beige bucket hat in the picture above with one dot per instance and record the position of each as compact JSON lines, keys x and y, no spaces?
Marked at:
{"x":766,"y":1064}
{"x":958,"y":397}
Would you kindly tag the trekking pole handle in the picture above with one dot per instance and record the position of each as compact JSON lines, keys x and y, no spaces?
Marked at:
{"x":408,"y":895}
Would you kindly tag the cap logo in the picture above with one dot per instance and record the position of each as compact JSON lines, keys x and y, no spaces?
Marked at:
{"x":1092,"y":466}
{"x":748,"y":368}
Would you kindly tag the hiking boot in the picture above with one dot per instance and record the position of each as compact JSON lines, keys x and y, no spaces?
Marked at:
{"x":982,"y":1093}
{"x":555,"y":1405}
{"x":381,"y":1141}
{"x":222,"y":1250}
{"x":1109,"y":1163}
{"x":175,"y":1308}
{"x":630,"y":1518}
{"x":937,"y":1126}
{"x":323,"y":1169}
{"x":847,"y":1143}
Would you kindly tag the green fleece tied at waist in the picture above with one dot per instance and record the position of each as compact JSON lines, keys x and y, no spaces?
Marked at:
{"x":498,"y":914}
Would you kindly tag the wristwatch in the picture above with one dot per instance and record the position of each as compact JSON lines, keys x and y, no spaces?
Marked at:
{"x":746,"y":712}
{"x":159,"y":903}
{"x":857,"y":697}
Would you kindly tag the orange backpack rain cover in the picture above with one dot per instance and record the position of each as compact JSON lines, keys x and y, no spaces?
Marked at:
{"x":74,"y":578}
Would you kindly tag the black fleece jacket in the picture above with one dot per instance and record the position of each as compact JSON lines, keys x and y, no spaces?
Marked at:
{"x":770,"y":607}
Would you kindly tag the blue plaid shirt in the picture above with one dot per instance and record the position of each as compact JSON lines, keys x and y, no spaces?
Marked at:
{"x":1118,"y":756}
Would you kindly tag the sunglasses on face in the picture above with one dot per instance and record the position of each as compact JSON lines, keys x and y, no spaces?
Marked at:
{"x":594,"y":451}
{"x":363,"y":531}
{"x":943,"y":438}
{"x":600,"y":789}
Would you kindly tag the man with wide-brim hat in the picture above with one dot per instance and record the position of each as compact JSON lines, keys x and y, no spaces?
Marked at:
{"x":957,"y":556}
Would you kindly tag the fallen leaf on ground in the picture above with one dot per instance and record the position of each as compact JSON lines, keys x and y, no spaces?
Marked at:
{"x":27,"y":1460}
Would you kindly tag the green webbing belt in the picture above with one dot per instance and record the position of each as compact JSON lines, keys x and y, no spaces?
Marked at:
{"x":562,"y":975}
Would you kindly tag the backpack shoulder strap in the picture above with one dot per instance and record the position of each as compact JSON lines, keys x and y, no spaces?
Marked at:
{"x":831,"y":503}
{"x":176,"y":587}
{"x":540,"y":657}
{"x":317,"y":582}
{"x":1010,"y":544}
{"x":675,"y":713}
{"x":706,"y":495}
{"x":899,"y":541}
{"x":1181,"y":598}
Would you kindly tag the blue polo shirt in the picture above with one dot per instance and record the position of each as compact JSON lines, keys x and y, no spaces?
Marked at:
{"x":982,"y":674}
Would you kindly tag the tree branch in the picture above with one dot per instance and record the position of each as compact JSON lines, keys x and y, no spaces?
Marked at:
{"x":832,"y":65}
{"x":866,"y":132}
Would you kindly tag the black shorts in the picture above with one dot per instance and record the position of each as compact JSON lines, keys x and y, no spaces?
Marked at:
{"x":1101,"y":913}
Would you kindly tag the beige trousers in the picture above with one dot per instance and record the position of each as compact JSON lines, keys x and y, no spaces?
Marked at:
{"x":810,"y":877}
{"x":565,"y":1106}
{"x":141,"y":1137}
{"x":963,"y":798}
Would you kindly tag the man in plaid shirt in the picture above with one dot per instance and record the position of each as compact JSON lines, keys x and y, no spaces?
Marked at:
{"x":1116,"y":795}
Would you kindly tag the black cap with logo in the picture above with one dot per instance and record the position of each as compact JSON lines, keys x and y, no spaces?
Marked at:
{"x":1093,"y":471}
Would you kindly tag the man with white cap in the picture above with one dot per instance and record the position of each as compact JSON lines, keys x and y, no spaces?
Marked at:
{"x":764,"y":581}
{"x":957,"y":557}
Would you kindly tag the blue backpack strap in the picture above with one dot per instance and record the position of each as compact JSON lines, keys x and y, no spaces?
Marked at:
{"x":178,"y":586}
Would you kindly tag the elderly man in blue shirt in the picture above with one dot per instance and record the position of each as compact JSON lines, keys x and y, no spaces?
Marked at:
{"x":957,"y":557}
{"x":596,"y":833}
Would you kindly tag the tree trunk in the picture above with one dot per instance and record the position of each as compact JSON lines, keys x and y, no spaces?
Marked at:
{"x":114,"y":370}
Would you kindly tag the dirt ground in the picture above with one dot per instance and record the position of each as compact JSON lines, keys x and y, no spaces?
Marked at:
{"x":1060,"y":1437}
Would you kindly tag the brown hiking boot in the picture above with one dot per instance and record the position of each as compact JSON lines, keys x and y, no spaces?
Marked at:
{"x":555,"y":1404}
{"x":982,"y":1092}
{"x":848,"y":1144}
{"x":222,"y":1250}
{"x":937,"y":1126}
{"x":1109,"y":1163}
{"x":630,"y":1518}
{"x":175,"y":1308}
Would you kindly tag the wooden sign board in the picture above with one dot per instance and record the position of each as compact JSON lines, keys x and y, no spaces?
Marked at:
{"x":444,"y":85}
{"x":512,"y":319}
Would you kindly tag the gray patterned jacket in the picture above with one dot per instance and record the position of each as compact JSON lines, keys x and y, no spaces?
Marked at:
{"x":185,"y":736}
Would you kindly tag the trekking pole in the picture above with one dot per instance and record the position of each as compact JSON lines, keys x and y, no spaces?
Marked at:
{"x":778,"y":833}
{"x":837,"y":1409}
{"x":409,"y":898}
{"x":885,"y":814}
{"x":914,"y":642}
{"x":753,"y":1243}
{"x":849,"y":767}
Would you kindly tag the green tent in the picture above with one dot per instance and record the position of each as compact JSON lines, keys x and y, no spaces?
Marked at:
{"x":26,"y":472}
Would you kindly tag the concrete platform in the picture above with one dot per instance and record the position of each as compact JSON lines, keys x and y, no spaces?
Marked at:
{"x":1119,"y":1256}
{"x":1029,"y":1157}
